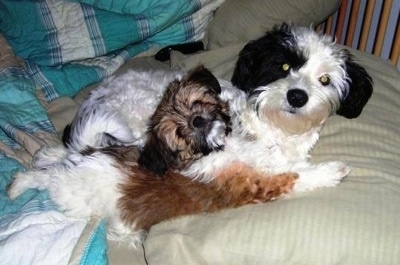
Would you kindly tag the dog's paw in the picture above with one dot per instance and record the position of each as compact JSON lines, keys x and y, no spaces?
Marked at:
{"x":48,"y":156}
{"x":327,"y":174}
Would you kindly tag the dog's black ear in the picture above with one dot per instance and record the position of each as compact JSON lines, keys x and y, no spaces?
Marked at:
{"x":203,"y":76}
{"x":152,"y":157}
{"x":360,"y":90}
{"x":244,"y":68}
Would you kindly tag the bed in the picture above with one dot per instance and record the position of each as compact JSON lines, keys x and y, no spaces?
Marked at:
{"x":54,"y":52}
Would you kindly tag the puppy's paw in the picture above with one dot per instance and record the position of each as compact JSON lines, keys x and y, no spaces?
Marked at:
{"x":251,"y":186}
{"x":270,"y":188}
{"x":259,"y":188}
{"x":327,"y":174}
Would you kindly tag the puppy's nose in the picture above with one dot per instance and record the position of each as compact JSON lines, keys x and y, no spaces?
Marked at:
{"x":199,"y":122}
{"x":297,"y":97}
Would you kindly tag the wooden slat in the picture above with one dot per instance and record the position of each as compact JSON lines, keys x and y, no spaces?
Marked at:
{"x":367,"y":21}
{"x":345,"y":33}
{"x":328,"y":27}
{"x":352,"y":23}
{"x":340,"y":21}
{"x":383,"y":22}
{"x":319,"y":28}
{"x":394,"y":56}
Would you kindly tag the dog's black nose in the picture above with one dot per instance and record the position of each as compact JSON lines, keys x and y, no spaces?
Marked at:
{"x":199,"y":122}
{"x":297,"y":97}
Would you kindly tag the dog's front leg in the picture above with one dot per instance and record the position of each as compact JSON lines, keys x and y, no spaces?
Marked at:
{"x":327,"y":174}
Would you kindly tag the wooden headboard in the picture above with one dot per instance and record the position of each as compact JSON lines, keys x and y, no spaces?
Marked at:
{"x":367,"y":25}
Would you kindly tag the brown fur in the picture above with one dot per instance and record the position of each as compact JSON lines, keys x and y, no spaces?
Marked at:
{"x":147,"y":200}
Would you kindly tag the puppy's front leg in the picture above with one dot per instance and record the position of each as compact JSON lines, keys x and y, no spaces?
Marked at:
{"x":248,"y":185}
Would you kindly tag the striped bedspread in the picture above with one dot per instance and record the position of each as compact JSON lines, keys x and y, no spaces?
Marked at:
{"x":54,"y":48}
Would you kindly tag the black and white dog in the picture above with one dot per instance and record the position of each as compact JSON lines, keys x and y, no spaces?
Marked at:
{"x":294,"y":80}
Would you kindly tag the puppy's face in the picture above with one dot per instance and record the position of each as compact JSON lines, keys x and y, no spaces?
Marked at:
{"x":296,"y":79}
{"x":191,"y":121}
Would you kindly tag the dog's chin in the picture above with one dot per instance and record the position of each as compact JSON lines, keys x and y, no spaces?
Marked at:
{"x":293,"y":122}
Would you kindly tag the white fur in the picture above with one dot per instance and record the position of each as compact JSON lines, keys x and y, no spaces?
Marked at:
{"x":83,"y":186}
{"x":120,"y":107}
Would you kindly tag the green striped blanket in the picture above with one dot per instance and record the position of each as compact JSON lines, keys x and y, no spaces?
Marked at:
{"x":61,"y":47}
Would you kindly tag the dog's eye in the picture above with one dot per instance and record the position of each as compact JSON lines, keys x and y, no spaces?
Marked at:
{"x":325,"y":80}
{"x":285,"y":67}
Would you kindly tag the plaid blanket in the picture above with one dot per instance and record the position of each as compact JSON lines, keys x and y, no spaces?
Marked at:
{"x":68,"y":45}
{"x":55,"y":48}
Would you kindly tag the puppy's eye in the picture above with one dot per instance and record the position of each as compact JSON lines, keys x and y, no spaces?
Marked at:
{"x":325,"y":80}
{"x":199,"y":122}
{"x":285,"y":67}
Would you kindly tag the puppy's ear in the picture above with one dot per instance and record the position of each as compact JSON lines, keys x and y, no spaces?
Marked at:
{"x":203,"y":76}
{"x":360,"y":90}
{"x":153,"y":157}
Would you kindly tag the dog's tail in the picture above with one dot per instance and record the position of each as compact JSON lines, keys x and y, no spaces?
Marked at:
{"x":96,"y":129}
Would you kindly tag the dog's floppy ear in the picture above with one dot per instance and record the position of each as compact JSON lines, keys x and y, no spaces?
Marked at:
{"x":243,"y":71}
{"x":202,"y":75}
{"x":153,"y":156}
{"x":360,"y":90}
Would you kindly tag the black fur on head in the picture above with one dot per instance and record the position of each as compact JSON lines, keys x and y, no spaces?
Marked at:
{"x":260,"y":62}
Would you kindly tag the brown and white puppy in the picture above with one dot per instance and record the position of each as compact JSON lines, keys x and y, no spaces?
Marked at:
{"x":190,"y":121}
